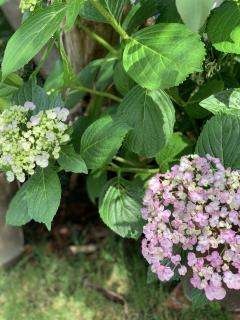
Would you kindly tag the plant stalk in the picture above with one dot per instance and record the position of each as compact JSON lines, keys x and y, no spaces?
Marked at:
{"x":99,"y":39}
{"x":133,"y":170}
{"x":95,"y":92}
{"x":122,"y":160}
{"x":110,"y":18}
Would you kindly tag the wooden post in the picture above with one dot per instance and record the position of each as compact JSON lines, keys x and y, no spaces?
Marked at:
{"x":11,"y":238}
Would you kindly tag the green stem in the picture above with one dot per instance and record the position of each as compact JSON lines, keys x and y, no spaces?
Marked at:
{"x":95,"y":106}
{"x":43,"y":58}
{"x":122,"y":160}
{"x":133,"y":170}
{"x":178,"y":100}
{"x":95,"y":92}
{"x":114,"y":166}
{"x":110,"y":18}
{"x":99,"y":39}
{"x":182,"y":104}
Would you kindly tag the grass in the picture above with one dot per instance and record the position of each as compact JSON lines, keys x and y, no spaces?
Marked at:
{"x":47,"y":286}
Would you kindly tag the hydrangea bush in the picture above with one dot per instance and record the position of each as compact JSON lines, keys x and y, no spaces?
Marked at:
{"x":193,"y":221}
{"x":166,"y":87}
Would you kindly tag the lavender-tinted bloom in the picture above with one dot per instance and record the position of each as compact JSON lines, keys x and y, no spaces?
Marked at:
{"x":35,"y":120}
{"x":28,"y":105}
{"x":195,"y":206}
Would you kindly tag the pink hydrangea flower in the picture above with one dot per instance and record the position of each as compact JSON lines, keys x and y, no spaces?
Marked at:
{"x":165,"y":273}
{"x":215,"y":259}
{"x":214,"y":293}
{"x":195,"y":207}
{"x":182,"y":270}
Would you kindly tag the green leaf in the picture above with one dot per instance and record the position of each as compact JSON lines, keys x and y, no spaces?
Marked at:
{"x":139,"y":13}
{"x":31,"y":36}
{"x":55,"y":79}
{"x":7,"y":91}
{"x":227,"y":101}
{"x":232,"y":46}
{"x":151,"y":115}
{"x":101,"y":141}
{"x":151,"y":277}
{"x":86,"y":77}
{"x":43,"y":194}
{"x":163,"y":55}
{"x":115,"y":8}
{"x":55,"y":100}
{"x":6,"y":94}
{"x":223,"y":27}
{"x":8,"y":87}
{"x":120,"y":208}
{"x":71,"y":161}
{"x":105,"y":74}
{"x":193,"y":108}
{"x":69,"y":76}
{"x":122,"y":81}
{"x":95,"y":182}
{"x":168,"y":12}
{"x":79,"y":126}
{"x":12,"y":79}
{"x":17,"y":213}
{"x":194,"y":13}
{"x":220,"y":138}
{"x":30,"y":91}
{"x":176,"y":147}
{"x":72,"y":11}
{"x":198,"y":298}
{"x":98,"y":73}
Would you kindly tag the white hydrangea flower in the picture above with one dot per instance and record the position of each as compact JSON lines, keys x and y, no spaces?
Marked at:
{"x":29,"y":105}
{"x":28,"y":141}
{"x":28,"y":5}
{"x":35,"y":120}
{"x":62,"y":114}
{"x":42,"y":160}
{"x":10,"y":176}
{"x":21,"y":177}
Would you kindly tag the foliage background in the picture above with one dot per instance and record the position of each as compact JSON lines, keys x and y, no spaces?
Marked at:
{"x":44,"y":284}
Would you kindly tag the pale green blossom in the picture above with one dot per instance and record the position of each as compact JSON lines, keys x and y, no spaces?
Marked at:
{"x":28,"y":141}
{"x":28,"y":5}
{"x":238,"y":2}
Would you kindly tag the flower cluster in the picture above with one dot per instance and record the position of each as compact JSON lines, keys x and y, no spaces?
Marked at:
{"x":28,"y":5}
{"x":28,"y":141}
{"x":193,"y":225}
{"x":237,"y":2}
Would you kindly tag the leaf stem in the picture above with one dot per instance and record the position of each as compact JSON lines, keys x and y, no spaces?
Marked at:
{"x":98,"y":38}
{"x":122,"y":160}
{"x":178,"y":100}
{"x":133,"y":170}
{"x":110,"y":18}
{"x":95,"y":92}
